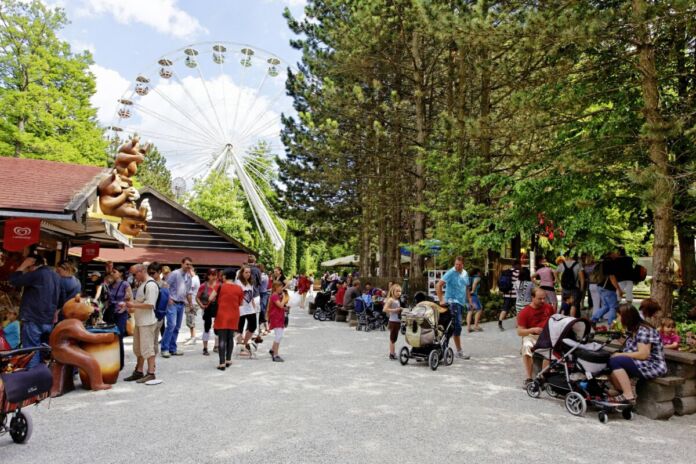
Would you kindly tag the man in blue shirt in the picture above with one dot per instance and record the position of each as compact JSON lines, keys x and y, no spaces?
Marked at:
{"x":179,"y":283}
{"x":457,"y":295}
{"x":39,"y":304}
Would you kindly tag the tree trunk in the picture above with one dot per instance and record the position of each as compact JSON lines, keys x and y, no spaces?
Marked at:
{"x":687,"y":254}
{"x":18,"y":144}
{"x":663,"y":194}
{"x":419,"y":97}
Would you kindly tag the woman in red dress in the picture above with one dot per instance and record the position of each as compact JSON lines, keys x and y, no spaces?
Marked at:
{"x":227,"y":318}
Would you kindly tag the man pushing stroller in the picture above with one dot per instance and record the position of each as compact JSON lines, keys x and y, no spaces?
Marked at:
{"x":457,"y":294}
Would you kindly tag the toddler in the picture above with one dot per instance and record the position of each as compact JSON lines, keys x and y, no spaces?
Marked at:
{"x":10,"y":331}
{"x":668,"y":334}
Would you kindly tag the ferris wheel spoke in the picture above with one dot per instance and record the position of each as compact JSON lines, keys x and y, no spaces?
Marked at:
{"x":218,"y":136}
{"x":259,"y":132}
{"x":185,"y":114}
{"x":248,"y":128}
{"x":169,"y":138}
{"x":251,"y":108}
{"x":224,"y":99}
{"x":210,"y":100}
{"x":240,"y":90}
{"x":195,"y":135}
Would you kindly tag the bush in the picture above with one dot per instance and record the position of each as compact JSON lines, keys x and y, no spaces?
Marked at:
{"x":687,"y":332}
{"x":684,"y":303}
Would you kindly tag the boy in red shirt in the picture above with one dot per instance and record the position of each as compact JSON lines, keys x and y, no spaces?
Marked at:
{"x":530,"y":321}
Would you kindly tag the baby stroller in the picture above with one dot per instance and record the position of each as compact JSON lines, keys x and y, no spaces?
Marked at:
{"x":368,"y":317}
{"x":19,"y":388}
{"x":325,"y":307}
{"x":577,"y":369}
{"x":428,"y":328}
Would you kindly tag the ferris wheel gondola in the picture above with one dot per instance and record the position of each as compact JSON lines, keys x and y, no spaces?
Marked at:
{"x":213,"y":107}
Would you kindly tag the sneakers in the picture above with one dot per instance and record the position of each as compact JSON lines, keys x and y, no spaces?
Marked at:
{"x":178,"y":353}
{"x":392,"y":356}
{"x":461,"y":355}
{"x":134,"y":376}
{"x":146,"y":378}
{"x":165,"y":354}
{"x":278,"y":359}
{"x":205,"y":352}
{"x":191,"y":341}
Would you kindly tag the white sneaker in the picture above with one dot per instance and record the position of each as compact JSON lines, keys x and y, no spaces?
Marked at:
{"x":191,"y":341}
{"x":461,"y":355}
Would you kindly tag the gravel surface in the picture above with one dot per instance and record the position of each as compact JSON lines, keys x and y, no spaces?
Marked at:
{"x":337,"y":398}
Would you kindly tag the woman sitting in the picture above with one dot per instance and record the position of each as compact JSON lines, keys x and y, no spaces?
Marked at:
{"x":642,"y":356}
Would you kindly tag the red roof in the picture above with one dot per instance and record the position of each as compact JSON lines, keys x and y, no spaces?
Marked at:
{"x":39,"y":185}
{"x":169,"y":255}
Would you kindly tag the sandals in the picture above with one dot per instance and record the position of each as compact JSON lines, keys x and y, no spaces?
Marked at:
{"x":221,"y":367}
{"x":621,"y":399}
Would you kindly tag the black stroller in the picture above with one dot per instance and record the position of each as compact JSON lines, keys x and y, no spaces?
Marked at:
{"x":577,"y":369}
{"x":325,"y":306}
{"x":19,"y":388}
{"x":428,"y":328}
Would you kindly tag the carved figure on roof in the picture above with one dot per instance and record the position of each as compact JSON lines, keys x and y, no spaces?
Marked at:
{"x":129,"y":156}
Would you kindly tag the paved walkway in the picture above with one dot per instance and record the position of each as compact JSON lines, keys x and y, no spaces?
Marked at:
{"x":338,"y":399}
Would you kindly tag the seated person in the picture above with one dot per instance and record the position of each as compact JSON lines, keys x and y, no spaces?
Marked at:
{"x":530,"y":322}
{"x":668,"y":334}
{"x":642,"y":356}
{"x":352,"y":293}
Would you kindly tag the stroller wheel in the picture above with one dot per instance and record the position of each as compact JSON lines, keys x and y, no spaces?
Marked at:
{"x":603,"y":417}
{"x":628,"y":413}
{"x":534,"y":389}
{"x":404,"y":355}
{"x":575,"y":404}
{"x":21,"y":427}
{"x":317,"y":314}
{"x":434,"y":360}
{"x":548,"y":388}
{"x":449,"y":356}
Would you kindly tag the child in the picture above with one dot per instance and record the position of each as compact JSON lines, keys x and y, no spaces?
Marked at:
{"x":392,"y":306}
{"x":11,"y":329}
{"x":276,"y":319}
{"x":568,"y":306}
{"x":668,"y":334}
{"x":474,"y":302}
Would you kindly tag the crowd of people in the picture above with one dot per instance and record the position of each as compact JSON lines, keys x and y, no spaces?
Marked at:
{"x":240,"y":305}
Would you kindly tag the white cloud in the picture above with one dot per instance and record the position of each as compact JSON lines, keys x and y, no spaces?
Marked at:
{"x":78,"y":46}
{"x":162,"y":15}
{"x":110,"y":87}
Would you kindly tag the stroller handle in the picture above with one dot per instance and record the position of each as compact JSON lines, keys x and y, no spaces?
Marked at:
{"x":44,"y":348}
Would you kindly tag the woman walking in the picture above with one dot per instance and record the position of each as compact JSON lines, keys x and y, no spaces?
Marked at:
{"x":545,"y":278}
{"x":229,"y":299}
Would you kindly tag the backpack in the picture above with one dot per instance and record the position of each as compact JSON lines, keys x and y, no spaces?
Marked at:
{"x":568,"y":281}
{"x":639,"y":273}
{"x":162,"y":302}
{"x":505,"y":281}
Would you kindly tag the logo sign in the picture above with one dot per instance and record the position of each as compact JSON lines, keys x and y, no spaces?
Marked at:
{"x":89,"y":252}
{"x":20,"y":233}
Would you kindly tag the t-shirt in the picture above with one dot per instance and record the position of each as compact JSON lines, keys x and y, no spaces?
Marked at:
{"x":455,"y":291}
{"x":246,"y":306}
{"x":205,"y":291}
{"x":11,"y":332}
{"x":515,"y":284}
{"x":276,"y":315}
{"x":609,"y":269}
{"x":534,"y":317}
{"x":545,"y":276}
{"x":669,"y":339}
{"x":349,"y":298}
{"x":655,"y":365}
{"x":524,"y":294}
{"x":340,"y":295}
{"x":195,"y":284}
{"x":623,"y":266}
{"x":394,"y":316}
{"x":147,"y":293}
{"x":229,"y":300}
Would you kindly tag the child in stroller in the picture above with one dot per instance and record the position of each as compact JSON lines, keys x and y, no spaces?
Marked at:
{"x":21,"y":387}
{"x":370,"y":313}
{"x":577,"y":368}
{"x":325,"y":306}
{"x":428,"y":328}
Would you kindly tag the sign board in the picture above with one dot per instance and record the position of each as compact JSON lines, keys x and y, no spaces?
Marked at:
{"x":90,"y":251}
{"x":434,"y":276}
{"x":20,"y":233}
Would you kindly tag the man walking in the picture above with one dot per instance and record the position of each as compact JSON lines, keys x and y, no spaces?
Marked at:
{"x":572,"y":280}
{"x":179,"y":283}
{"x":508,"y":283}
{"x":624,"y":274}
{"x":146,"y":327}
{"x":39,"y":304}
{"x":457,"y":295}
{"x":609,"y":290}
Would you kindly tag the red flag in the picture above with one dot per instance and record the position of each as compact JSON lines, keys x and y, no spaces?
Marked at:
{"x":89,"y":252}
{"x":20,"y":233}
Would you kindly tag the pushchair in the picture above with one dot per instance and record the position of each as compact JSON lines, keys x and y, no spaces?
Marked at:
{"x":428,"y":328}
{"x":369,"y":318}
{"x":21,"y":387}
{"x":325,"y":307}
{"x":577,"y":369}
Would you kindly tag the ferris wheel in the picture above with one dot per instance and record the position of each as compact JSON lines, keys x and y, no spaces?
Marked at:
{"x":212,"y":107}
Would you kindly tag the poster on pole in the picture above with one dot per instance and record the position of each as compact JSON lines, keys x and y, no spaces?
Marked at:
{"x":434,"y":276}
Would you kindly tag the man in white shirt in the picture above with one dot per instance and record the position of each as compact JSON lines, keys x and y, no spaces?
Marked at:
{"x":192,"y":309}
{"x":146,"y":326}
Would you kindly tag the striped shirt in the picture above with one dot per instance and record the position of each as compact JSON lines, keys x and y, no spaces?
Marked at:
{"x":515,"y":284}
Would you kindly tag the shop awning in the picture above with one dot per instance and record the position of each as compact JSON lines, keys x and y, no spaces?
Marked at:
{"x":168,"y":255}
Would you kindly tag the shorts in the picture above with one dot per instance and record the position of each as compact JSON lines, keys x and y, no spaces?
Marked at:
{"x":191,"y":316}
{"x":456,"y":310}
{"x":394,"y":327}
{"x":528,"y":343}
{"x":145,"y":340}
{"x":278,"y":334}
{"x":476,"y":307}
{"x":509,"y":304}
{"x":249,"y":320}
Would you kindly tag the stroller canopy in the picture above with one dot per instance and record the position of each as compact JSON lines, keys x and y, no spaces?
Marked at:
{"x":559,"y":327}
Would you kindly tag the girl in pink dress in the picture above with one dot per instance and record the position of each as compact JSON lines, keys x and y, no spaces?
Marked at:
{"x":276,"y":319}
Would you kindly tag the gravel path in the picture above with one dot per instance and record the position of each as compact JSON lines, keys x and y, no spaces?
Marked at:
{"x":337,"y":398}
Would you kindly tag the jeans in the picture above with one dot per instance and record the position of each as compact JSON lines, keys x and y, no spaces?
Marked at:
{"x":175,"y":314}
{"x":610,"y":302}
{"x":34,"y":334}
{"x":456,"y":309}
